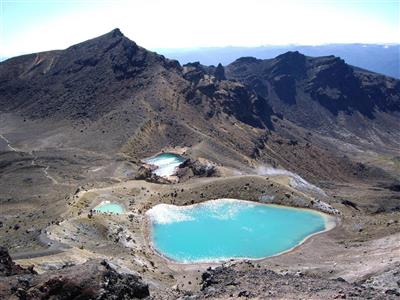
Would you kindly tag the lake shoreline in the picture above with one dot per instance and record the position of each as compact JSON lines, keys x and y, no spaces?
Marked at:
{"x":330,"y":223}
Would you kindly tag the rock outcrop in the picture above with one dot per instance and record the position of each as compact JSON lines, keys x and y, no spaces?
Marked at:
{"x":248,"y":281}
{"x":199,"y":169}
{"x":9,"y":268}
{"x":93,"y":280}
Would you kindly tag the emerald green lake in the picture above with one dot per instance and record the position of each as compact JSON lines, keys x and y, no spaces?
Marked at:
{"x":225,"y":229}
{"x":166,"y":163}
{"x":108,"y":207}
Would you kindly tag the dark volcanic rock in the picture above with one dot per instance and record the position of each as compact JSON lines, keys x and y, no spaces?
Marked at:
{"x":395,"y":187}
{"x":196,"y":168}
{"x":89,"y":281}
{"x":335,"y":86}
{"x":232,"y":98}
{"x":200,"y":169}
{"x":290,"y":63}
{"x":143,"y":173}
{"x":329,"y":81}
{"x":245,"y":280}
{"x":78,"y":82}
{"x":219,"y":72}
{"x":285,"y":88}
{"x":350,"y":203}
{"x":10,"y":268}
{"x":194,"y":71}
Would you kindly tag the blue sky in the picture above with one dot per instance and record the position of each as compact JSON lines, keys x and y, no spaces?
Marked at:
{"x":37,"y":25}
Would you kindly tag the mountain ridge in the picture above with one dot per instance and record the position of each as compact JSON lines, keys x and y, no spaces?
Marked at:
{"x":360,"y":55}
{"x":111,"y":78}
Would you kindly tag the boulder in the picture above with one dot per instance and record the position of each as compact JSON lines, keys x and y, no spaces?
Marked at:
{"x":92,"y":280}
{"x":143,"y":173}
{"x":8,"y":267}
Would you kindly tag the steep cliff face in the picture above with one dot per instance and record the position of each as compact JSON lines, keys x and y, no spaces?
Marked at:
{"x":221,"y":95}
{"x":324,"y":94}
{"x":291,"y":78}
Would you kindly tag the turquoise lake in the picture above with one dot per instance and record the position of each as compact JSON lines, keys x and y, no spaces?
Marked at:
{"x":230,"y":229}
{"x":166,"y":163}
{"x":108,"y":207}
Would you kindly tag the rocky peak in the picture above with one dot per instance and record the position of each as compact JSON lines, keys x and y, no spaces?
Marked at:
{"x":111,"y":51}
{"x":247,"y":59}
{"x":194,"y":71}
{"x":116,"y":32}
{"x":103,"y":42}
{"x":290,"y":63}
{"x":77,"y":79}
{"x":291,"y":55}
{"x":219,"y":72}
{"x":331,"y":66}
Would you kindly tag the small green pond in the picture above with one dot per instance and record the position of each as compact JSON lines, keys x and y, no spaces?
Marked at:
{"x":109,"y":207}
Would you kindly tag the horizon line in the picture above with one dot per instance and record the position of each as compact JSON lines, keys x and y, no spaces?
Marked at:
{"x":155,"y":49}
{"x":278,"y":45}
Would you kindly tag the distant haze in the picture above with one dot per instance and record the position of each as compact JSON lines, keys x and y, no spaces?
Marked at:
{"x":384,"y":59}
{"x":40,"y":25}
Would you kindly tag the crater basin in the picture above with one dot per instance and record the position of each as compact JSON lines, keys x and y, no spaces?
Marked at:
{"x":166,"y":163}
{"x":224,"y":229}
